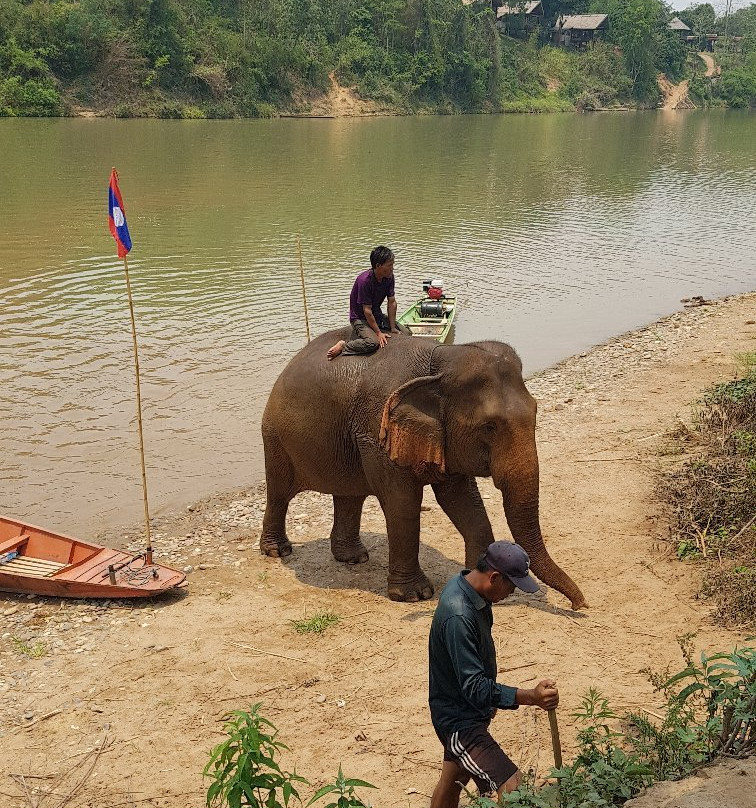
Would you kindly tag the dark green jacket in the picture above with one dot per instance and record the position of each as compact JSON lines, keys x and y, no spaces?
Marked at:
{"x":462,"y":690}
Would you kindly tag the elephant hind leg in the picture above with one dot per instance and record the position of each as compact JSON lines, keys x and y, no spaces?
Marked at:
{"x":345,"y":535}
{"x":281,"y":489}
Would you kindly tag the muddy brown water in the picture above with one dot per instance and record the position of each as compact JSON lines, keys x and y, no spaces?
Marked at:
{"x":556,"y":232}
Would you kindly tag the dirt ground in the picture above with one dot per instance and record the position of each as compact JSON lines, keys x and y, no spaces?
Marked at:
{"x":118,"y":704}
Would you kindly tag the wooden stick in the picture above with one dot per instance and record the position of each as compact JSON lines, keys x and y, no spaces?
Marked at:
{"x":269,"y":653}
{"x":41,"y":718}
{"x":555,"y":743}
{"x":304,"y":295}
{"x":148,"y":549}
{"x":516,"y":667}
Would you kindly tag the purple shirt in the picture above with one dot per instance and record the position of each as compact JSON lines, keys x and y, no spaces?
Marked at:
{"x":367,"y":291}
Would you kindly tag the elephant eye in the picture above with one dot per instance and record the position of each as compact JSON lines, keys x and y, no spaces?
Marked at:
{"x":489,"y":427}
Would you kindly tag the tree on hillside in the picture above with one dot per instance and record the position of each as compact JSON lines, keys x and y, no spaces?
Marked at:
{"x":634,"y":25}
{"x":701,"y":20}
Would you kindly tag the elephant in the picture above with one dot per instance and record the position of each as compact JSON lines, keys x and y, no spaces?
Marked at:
{"x":412,"y":414}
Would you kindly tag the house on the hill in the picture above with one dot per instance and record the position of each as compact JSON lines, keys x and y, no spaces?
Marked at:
{"x":680,"y":28}
{"x":579,"y":30}
{"x":526,"y":16}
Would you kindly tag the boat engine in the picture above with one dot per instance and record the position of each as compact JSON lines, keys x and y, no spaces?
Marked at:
{"x":431,"y":308}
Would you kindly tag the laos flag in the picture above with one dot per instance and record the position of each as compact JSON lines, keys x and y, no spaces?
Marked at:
{"x":117,"y":217}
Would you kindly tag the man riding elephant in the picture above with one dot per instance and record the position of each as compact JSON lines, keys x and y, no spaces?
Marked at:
{"x":371,"y":328}
{"x":410,"y":415}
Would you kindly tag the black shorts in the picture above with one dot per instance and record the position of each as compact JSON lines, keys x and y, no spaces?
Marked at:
{"x":476,"y":751}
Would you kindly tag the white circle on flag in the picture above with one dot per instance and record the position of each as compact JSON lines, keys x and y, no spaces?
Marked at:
{"x":118,"y":216}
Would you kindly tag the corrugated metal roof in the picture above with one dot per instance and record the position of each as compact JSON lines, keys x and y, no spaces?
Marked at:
{"x":530,"y":8}
{"x":676,"y":24}
{"x":583,"y":22}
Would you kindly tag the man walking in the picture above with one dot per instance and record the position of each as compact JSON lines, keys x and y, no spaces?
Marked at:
{"x":371,"y":328}
{"x":463,"y":693}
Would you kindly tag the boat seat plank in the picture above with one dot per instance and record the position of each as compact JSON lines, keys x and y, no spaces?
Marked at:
{"x":97,"y":561}
{"x":36,"y":562}
{"x":94,"y":572}
{"x":30,"y":569}
{"x":11,"y":544}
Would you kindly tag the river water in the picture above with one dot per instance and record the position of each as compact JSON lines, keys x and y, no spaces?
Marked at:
{"x":556,"y":232}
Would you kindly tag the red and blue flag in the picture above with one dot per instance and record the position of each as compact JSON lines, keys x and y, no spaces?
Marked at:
{"x":117,"y":216}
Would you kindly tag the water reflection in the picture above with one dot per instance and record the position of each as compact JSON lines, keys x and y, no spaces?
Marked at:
{"x":555,"y":232}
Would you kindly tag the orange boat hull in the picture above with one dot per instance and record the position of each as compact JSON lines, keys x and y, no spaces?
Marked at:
{"x":39,"y":562}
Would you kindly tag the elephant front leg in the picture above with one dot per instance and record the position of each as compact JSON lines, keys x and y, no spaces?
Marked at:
{"x":345,"y":535}
{"x":461,"y":502}
{"x":406,"y":580}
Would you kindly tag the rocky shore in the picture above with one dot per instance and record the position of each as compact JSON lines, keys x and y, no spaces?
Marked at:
{"x":60,"y":657}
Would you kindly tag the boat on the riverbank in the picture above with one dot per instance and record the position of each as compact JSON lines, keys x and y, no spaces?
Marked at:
{"x":39,"y":562}
{"x":431,"y":316}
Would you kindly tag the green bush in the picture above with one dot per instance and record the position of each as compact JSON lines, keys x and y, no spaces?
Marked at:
{"x":710,"y":711}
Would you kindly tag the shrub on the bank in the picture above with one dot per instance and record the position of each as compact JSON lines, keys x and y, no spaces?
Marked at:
{"x":710,"y":711}
{"x":711,"y":498}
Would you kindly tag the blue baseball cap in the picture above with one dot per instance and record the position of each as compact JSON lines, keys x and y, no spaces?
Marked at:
{"x":513,"y":562}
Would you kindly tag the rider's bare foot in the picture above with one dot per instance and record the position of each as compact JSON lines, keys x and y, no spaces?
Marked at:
{"x":336,"y":349}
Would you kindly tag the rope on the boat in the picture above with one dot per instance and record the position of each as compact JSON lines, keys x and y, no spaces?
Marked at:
{"x":135,"y":576}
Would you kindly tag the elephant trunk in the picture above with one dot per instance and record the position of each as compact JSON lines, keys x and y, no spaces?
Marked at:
{"x":521,"y":508}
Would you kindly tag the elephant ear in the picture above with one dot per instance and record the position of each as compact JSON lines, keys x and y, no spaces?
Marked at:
{"x":412,"y":433}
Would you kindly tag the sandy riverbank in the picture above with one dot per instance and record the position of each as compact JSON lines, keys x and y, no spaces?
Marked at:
{"x":151,"y":680}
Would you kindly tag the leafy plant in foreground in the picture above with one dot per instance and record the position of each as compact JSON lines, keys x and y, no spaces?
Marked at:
{"x":244,"y":770}
{"x":716,"y":702}
{"x":243,"y":767}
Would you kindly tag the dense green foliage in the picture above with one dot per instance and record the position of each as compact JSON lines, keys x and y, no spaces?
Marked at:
{"x":710,"y":711}
{"x":217,"y":58}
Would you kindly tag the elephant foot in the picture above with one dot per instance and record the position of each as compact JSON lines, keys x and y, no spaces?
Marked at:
{"x":275,"y":548}
{"x":419,"y":588}
{"x":352,"y":553}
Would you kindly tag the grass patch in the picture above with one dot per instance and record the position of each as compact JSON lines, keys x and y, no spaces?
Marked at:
{"x":548,"y":103}
{"x":32,"y":651}
{"x":711,"y":498}
{"x":316,"y":624}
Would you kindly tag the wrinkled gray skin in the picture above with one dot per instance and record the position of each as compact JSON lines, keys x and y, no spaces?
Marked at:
{"x":413,"y":413}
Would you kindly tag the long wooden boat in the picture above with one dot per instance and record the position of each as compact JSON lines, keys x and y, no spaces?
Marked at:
{"x":429,"y":318}
{"x":39,"y":562}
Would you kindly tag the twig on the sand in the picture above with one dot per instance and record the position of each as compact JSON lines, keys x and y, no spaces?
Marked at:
{"x":743,"y":529}
{"x":32,"y":802}
{"x":75,"y":790}
{"x":150,"y":799}
{"x":517,"y":667}
{"x":607,"y":460}
{"x":359,"y":614}
{"x":41,"y":718}
{"x":420,"y":763}
{"x":267,"y":653}
{"x":233,"y":675}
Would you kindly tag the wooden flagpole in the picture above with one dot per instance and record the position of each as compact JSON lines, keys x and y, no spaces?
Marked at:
{"x":148,"y":550}
{"x":304,"y":295}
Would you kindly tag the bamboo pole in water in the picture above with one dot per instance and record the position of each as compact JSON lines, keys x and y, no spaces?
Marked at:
{"x":304,"y":294}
